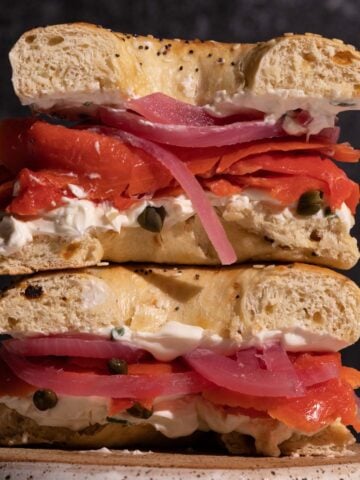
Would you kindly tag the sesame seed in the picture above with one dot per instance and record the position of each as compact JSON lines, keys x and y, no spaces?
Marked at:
{"x":140,"y":47}
{"x":232,"y":64}
{"x":146,"y":47}
{"x":181,"y":67}
{"x":220,"y":60}
{"x":191,"y":52}
{"x":158,"y":54}
{"x":186,"y":41}
{"x":209,"y":55}
{"x":117,"y":55}
{"x":196,"y":69}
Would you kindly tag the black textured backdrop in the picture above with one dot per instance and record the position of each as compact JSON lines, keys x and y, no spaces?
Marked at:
{"x":240,"y":21}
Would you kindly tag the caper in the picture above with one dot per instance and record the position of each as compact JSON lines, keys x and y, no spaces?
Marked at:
{"x":117,"y":366}
{"x":117,"y":420}
{"x":152,"y":218}
{"x":310,"y":203}
{"x":328,"y":212}
{"x":342,"y":104}
{"x":45,"y":399}
{"x":138,"y":411}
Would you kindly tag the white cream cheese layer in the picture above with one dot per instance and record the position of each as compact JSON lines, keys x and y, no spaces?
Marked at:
{"x":280,"y":101}
{"x":173,"y":417}
{"x":79,"y":215}
{"x":176,"y":339}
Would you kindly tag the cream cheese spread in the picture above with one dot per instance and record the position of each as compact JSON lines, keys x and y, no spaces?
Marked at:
{"x":79,"y":215}
{"x":280,"y":101}
{"x":173,"y":417}
{"x":176,"y":339}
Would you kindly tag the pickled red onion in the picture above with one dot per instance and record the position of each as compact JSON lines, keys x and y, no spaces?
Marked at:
{"x":229,"y":374}
{"x":190,"y":135}
{"x":201,"y":204}
{"x":72,"y":347}
{"x":114,"y":386}
{"x":161,"y":108}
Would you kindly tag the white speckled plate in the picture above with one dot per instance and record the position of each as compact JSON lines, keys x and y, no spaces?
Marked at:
{"x":35,"y":464}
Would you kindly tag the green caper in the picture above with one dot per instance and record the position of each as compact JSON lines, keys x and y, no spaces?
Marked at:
{"x":117,"y":420}
{"x":328,"y":212}
{"x":117,"y":366}
{"x":45,"y":399}
{"x":138,"y":411}
{"x":310,"y":203}
{"x":152,"y":218}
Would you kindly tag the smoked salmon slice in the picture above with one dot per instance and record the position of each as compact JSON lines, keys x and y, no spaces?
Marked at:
{"x":44,"y":159}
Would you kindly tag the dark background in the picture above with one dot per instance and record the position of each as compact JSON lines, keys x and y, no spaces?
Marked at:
{"x":235,"y":21}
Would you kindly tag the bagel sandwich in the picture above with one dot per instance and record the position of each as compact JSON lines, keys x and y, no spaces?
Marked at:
{"x":182,"y":152}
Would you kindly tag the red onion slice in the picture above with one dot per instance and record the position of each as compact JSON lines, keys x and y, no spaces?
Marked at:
{"x":163,"y":109}
{"x":72,"y":347}
{"x":207,"y":216}
{"x":276,"y":359}
{"x":227,"y":373}
{"x":188,"y":135}
{"x":248,"y":359}
{"x":114,"y":386}
{"x":327,"y":135}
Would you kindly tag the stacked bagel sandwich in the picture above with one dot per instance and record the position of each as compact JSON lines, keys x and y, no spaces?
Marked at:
{"x":178,"y":161}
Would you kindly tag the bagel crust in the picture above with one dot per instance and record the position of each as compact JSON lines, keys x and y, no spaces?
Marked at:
{"x":255,"y":236}
{"x":59,"y":65}
{"x":254,"y":300}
